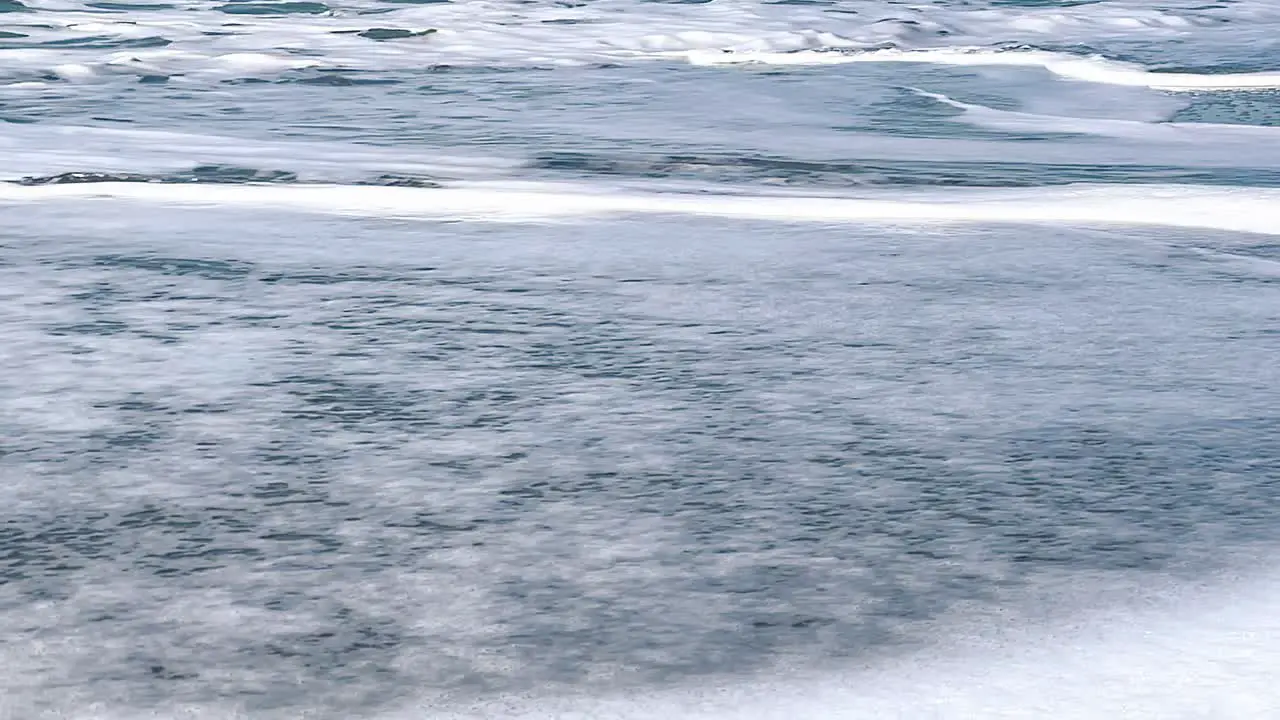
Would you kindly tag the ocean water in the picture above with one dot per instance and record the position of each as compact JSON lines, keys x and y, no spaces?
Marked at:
{"x":631,"y":359}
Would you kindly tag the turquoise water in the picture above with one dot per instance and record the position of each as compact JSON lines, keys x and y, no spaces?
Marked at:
{"x":626,"y":359}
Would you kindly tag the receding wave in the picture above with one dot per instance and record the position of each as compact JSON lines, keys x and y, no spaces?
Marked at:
{"x":1205,"y":657}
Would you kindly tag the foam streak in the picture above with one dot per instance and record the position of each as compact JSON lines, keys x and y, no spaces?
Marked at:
{"x":1233,"y":209}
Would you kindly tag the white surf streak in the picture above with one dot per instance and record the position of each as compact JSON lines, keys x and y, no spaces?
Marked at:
{"x":1232,"y":209}
{"x":1085,"y":69}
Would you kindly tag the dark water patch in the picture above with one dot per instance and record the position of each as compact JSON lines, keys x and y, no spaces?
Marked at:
{"x":8,"y":6}
{"x":399,"y":180}
{"x":5,"y":34}
{"x":161,"y":672}
{"x":280,"y":8}
{"x":304,"y":52}
{"x":1225,"y":68}
{"x":394,"y":33}
{"x":1246,"y":265}
{"x":1156,"y":486}
{"x":102,"y":42}
{"x":332,"y":276}
{"x":781,"y":171}
{"x":1264,"y":251}
{"x":129,"y":7}
{"x":234,"y":175}
{"x":1078,"y":49}
{"x":135,"y":402}
{"x":100,"y":294}
{"x":89,"y":327}
{"x":221,"y":174}
{"x":223,"y":270}
{"x":1242,"y":108}
{"x":71,"y":178}
{"x":386,"y":33}
{"x":141,"y":438}
{"x":347,"y":403}
{"x":1043,"y":3}
{"x":37,"y":547}
{"x":333,"y":77}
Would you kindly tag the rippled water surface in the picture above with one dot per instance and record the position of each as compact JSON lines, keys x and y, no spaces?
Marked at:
{"x":639,"y":359}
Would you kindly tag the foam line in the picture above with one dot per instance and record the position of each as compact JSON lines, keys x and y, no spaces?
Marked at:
{"x":1071,"y":67}
{"x":1202,"y":654}
{"x":1234,"y":209}
{"x":505,"y":33}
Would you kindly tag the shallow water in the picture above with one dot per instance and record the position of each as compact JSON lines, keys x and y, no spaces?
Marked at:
{"x":628,"y":359}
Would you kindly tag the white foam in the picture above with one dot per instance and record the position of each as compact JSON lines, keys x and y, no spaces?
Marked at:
{"x":1198,"y":655}
{"x":208,"y":45}
{"x":1087,"y":69}
{"x":1208,"y":658}
{"x":1233,"y":209}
